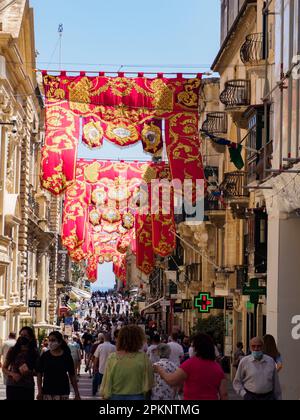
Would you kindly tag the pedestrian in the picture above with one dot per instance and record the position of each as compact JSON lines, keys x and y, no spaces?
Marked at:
{"x":152,"y":350}
{"x":7,"y":344}
{"x":100,"y":359}
{"x":76,"y":325}
{"x":44,"y":346}
{"x":176,"y":349}
{"x":20,"y":367}
{"x":161,"y":390}
{"x":128,"y":374}
{"x":75,"y":353}
{"x":256,"y":377}
{"x":238,"y":355}
{"x":202,"y":377}
{"x":270,"y":348}
{"x":56,"y":370}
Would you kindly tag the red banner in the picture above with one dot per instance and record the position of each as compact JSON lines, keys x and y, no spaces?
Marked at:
{"x":120,"y":269}
{"x":75,"y":216}
{"x":59,"y":154}
{"x":144,"y":249}
{"x":160,"y":94}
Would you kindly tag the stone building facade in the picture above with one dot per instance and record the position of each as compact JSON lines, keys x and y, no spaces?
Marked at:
{"x":29,"y":217}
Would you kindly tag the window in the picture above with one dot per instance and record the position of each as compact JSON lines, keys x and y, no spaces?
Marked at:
{"x":256,"y":133}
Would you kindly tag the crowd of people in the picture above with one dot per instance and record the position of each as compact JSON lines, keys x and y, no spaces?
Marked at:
{"x":127,"y":358}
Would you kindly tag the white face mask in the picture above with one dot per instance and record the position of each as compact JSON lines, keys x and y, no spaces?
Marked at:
{"x":53,"y":345}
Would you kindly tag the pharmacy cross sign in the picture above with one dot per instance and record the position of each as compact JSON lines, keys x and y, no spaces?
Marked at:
{"x":254,"y":291}
{"x":204,"y":302}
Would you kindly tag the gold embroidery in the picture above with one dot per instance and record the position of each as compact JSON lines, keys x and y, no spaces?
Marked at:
{"x":163,"y":95}
{"x":91,"y":172}
{"x":128,"y":220}
{"x":151,"y":135}
{"x":189,"y":98}
{"x":122,"y":133}
{"x":95,"y":217}
{"x":111,"y":215}
{"x":99,"y":196}
{"x":80,"y":91}
{"x":93,"y":133}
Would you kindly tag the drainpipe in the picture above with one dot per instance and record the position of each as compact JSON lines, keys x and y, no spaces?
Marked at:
{"x":290,"y":100}
{"x":281,"y":88}
{"x":266,"y":99}
{"x":298,"y":94}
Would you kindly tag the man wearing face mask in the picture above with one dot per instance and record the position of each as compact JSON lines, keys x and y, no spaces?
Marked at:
{"x":256,"y":377}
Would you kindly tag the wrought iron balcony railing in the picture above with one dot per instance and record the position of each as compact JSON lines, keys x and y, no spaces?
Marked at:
{"x":236,"y":93}
{"x":253,"y":49}
{"x":213,"y":204}
{"x":234,"y":184}
{"x":33,"y":204}
{"x":215,"y":123}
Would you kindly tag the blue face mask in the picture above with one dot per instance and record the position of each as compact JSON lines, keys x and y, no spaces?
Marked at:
{"x":258,"y":355}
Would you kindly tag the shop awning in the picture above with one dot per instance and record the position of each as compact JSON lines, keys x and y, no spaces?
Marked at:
{"x":78,"y":294}
{"x":47,"y":326}
{"x":153,"y":304}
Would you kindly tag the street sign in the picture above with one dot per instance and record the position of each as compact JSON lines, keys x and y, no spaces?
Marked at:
{"x":204,"y":302}
{"x":229,"y":304}
{"x":254,"y":291}
{"x":187,"y":304}
{"x":34,"y":303}
{"x":68,"y":330}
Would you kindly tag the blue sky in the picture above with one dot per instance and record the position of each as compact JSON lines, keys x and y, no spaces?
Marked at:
{"x":100,"y":35}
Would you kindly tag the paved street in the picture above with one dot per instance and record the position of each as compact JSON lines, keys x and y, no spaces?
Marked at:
{"x":85,"y":387}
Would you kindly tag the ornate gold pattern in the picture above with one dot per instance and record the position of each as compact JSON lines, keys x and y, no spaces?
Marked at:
{"x":99,"y":196}
{"x":151,"y":136}
{"x":93,"y":133}
{"x":91,"y":172}
{"x":128,"y":220}
{"x":111,"y":215}
{"x":189,"y":98}
{"x":122,"y":133}
{"x":95,"y":217}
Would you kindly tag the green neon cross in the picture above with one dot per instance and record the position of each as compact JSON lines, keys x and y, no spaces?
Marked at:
{"x":204,"y":302}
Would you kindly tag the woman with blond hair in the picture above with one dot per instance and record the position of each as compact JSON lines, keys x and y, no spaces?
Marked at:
{"x":128,"y":374}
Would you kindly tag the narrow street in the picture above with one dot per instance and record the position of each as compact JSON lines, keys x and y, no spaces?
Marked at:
{"x":150,"y":213}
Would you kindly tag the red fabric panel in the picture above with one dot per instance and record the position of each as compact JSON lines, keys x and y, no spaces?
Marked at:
{"x":58,"y":164}
{"x":75,"y":215}
{"x":160,"y":94}
{"x":144,"y":249}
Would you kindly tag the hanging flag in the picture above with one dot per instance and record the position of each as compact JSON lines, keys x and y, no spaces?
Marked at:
{"x":235,"y":149}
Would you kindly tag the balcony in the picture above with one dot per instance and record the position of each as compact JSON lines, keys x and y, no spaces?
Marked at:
{"x":237,"y":93}
{"x":234,"y":192}
{"x":34,"y":208}
{"x":215,"y":123}
{"x":253,"y":50}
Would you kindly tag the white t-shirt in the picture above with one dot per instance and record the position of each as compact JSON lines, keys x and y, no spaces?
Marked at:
{"x":176,"y":352}
{"x":102,"y":352}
